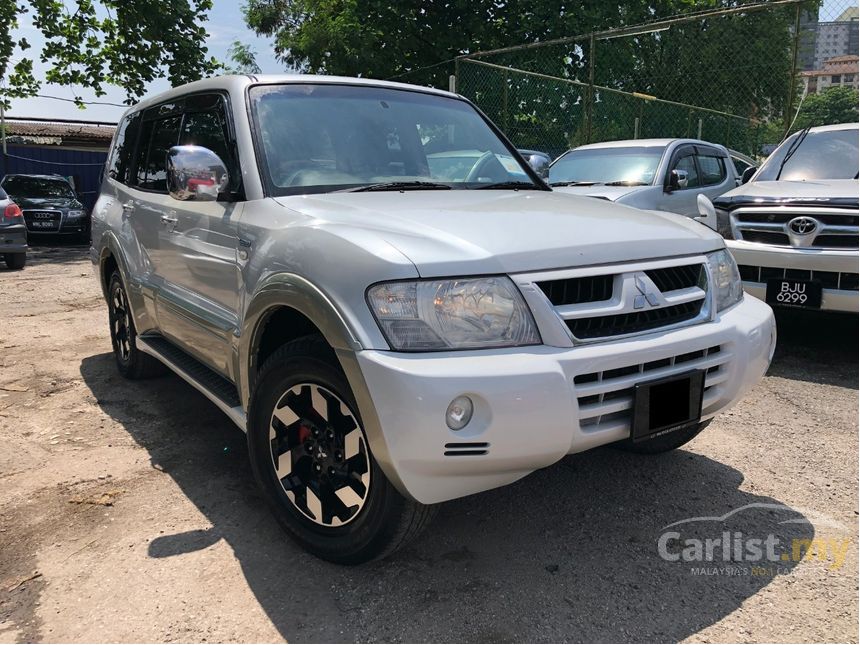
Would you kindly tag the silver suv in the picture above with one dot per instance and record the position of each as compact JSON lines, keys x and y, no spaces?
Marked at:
{"x":392,"y":333}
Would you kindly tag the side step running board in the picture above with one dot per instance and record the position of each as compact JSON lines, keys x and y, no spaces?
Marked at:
{"x":212,"y":385}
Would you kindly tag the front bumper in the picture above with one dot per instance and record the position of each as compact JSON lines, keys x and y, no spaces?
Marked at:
{"x":13,"y":239}
{"x":529,"y":413}
{"x":838,"y":268}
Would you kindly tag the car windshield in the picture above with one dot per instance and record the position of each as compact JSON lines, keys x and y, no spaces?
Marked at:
{"x":37,"y":187}
{"x":830,"y":154}
{"x":634,"y":164}
{"x":322,"y":138}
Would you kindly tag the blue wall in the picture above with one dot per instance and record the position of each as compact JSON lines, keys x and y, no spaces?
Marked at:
{"x":85,"y":167}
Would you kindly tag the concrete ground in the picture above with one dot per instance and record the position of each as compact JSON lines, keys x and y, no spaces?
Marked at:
{"x":128,"y":513}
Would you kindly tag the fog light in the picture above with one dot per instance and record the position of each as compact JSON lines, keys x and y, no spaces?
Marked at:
{"x":459,"y":413}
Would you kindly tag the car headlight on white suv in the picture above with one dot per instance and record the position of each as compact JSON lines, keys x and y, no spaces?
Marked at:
{"x":468,"y":313}
{"x":726,"y":279}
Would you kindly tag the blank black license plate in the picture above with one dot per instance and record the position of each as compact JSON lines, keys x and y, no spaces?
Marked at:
{"x":667,"y":404}
{"x":787,"y":292}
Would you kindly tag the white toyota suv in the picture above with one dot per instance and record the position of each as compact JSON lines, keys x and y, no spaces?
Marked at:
{"x":391,"y":334}
{"x":793,"y":227}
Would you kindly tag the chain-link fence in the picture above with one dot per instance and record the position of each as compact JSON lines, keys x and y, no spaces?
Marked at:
{"x":734,"y":75}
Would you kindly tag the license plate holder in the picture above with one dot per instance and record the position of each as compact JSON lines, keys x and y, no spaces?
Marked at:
{"x":666,"y":405}
{"x":788,"y":292}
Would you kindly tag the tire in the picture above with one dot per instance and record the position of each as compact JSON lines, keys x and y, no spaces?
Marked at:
{"x":131,"y":362}
{"x":665,"y":443}
{"x":328,"y":454}
{"x":15,"y":261}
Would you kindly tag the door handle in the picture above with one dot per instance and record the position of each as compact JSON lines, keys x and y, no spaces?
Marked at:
{"x":167,"y":219}
{"x":128,"y":209}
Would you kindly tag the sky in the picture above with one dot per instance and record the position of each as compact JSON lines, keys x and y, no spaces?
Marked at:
{"x":225,"y":25}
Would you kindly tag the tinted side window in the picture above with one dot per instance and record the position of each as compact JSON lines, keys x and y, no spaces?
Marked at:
{"x":688,"y":164}
{"x":151,"y":169}
{"x":119,"y":164}
{"x":209,"y":129}
{"x":713,"y":170}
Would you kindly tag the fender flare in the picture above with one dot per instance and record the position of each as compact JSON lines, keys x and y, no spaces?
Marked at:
{"x":297,"y":293}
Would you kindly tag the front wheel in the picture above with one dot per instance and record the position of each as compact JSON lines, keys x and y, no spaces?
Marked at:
{"x":15,"y":261}
{"x":311,"y":458}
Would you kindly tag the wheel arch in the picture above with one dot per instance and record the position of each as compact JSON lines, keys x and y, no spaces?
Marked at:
{"x":298,"y":301}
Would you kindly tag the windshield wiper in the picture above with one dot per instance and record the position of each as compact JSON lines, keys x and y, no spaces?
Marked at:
{"x":792,"y":149}
{"x":509,"y":185}
{"x":396,"y":185}
{"x":624,"y":182}
{"x":572,"y":183}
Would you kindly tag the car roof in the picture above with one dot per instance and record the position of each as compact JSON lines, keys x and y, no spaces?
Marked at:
{"x":837,"y":126}
{"x":643,"y":143}
{"x":236,"y":83}
{"x":24,"y":174}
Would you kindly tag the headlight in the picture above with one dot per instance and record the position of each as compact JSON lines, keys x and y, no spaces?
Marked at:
{"x":726,"y":279}
{"x":75,"y":214}
{"x":724,"y":225}
{"x":471,"y":313}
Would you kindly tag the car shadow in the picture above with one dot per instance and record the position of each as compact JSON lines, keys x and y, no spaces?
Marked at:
{"x":55,"y":253}
{"x":569,"y":553}
{"x":820,"y":347}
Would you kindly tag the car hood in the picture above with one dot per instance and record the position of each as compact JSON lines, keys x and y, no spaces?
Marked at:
{"x":47,"y":202}
{"x":835,"y":192}
{"x":612,"y":193}
{"x":462,"y":232}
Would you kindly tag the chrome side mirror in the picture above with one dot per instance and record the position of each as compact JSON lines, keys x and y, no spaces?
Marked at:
{"x":678,"y":179}
{"x":748,"y":173}
{"x":195,"y":173}
{"x":540,"y":165}
{"x":707,"y":212}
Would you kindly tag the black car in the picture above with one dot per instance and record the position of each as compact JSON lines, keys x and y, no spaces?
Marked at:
{"x":13,"y":233}
{"x":49,"y":204}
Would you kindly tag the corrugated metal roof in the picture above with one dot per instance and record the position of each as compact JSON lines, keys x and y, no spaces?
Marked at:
{"x":65,"y":132}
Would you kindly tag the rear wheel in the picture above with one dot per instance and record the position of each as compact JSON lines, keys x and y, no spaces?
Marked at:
{"x":312,"y":460}
{"x":131,"y":362}
{"x":664,"y":443}
{"x":15,"y":261}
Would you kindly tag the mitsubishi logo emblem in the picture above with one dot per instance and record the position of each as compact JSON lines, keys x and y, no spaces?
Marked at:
{"x":644,"y":295}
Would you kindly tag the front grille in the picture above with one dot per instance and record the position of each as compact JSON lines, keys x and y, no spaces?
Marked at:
{"x":466,"y":449}
{"x":680,"y":277}
{"x":633,"y":322}
{"x":633,"y":298}
{"x":573,"y":291}
{"x":834,"y":228}
{"x":828,"y":279}
{"x":766,"y":237}
{"x":605,"y":398}
{"x":42,"y":221}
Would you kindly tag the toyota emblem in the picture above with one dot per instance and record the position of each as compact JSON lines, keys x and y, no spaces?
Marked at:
{"x":802,"y":225}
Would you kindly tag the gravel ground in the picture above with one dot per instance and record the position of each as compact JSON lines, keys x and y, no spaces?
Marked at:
{"x":127,"y":512}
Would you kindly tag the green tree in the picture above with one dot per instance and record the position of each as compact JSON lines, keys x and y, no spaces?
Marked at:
{"x":833,"y":105}
{"x":244,"y":59}
{"x":90,"y":43}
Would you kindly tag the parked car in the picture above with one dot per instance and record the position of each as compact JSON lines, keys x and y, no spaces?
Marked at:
{"x":13,"y":233}
{"x":50,"y":205}
{"x":390,"y":337}
{"x":743,"y":163}
{"x":651,"y":174}
{"x":793,"y":228}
